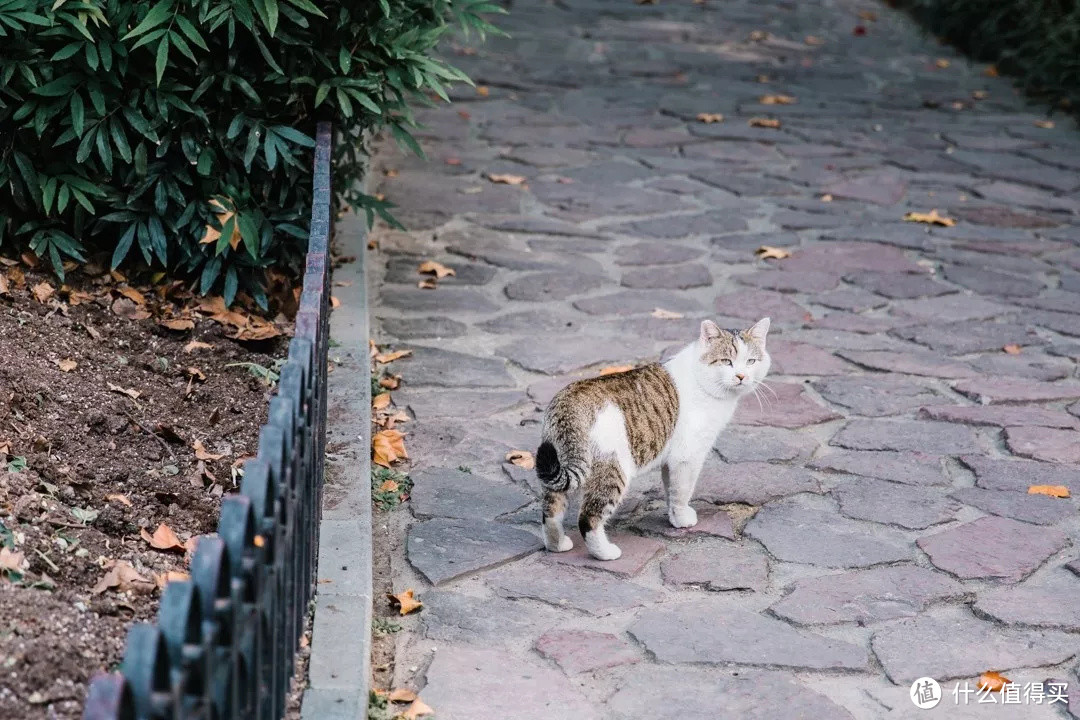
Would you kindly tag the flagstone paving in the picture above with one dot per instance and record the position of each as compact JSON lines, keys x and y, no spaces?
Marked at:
{"x":869,"y":525}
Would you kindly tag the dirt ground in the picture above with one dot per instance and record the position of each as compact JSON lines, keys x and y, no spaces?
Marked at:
{"x":105,"y":413}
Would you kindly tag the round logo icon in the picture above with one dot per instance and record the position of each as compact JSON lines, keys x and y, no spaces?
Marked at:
{"x":925,"y":693}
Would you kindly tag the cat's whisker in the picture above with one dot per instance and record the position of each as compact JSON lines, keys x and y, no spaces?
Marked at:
{"x":765,"y":386}
{"x":765,"y":398}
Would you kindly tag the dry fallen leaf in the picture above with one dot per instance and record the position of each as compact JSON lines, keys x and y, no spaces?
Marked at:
{"x":133,"y":394}
{"x":261,"y":331}
{"x":666,"y":314}
{"x":179,"y":324}
{"x":709,"y":118}
{"x":384,"y":358}
{"x":428,"y":283}
{"x":388,"y":446}
{"x":813,"y":40}
{"x":776,"y":100}
{"x":388,"y":486}
{"x":1058,"y":491}
{"x":122,"y":499}
{"x":380,"y":401}
{"x":390,"y":382}
{"x":991,"y":71}
{"x":992,"y":681}
{"x":764,"y":122}
{"x":163,"y":579}
{"x":506,"y":179}
{"x":163,"y":539}
{"x":1045,"y":124}
{"x":201,"y":453}
{"x":5,"y":286}
{"x":66,"y":365}
{"x":197,"y":345}
{"x":430,"y":267}
{"x":1012,"y":349}
{"x":194,"y":372}
{"x":43,"y":291}
{"x":418,"y":708}
{"x":482,"y":90}
{"x":402,"y":695}
{"x":12,"y":560}
{"x":132,"y":294}
{"x":930,"y":218}
{"x":616,"y":369}
{"x":521,"y":458}
{"x":980,"y":94}
{"x":942,"y":63}
{"x":405,"y":602}
{"x":768,"y":252}
{"x":826,"y":198}
{"x":123,"y":576}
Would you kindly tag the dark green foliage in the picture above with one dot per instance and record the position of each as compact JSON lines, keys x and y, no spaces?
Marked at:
{"x":121,"y":121}
{"x":1037,"y":41}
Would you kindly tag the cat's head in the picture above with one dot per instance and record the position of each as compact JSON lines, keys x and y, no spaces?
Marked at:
{"x":732,"y":362}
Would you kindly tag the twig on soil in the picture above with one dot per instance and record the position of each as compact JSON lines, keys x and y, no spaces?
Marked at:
{"x":54,"y":566}
{"x":164,"y":444}
{"x":64,"y":523}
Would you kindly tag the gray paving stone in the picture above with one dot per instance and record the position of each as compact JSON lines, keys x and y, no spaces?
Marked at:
{"x":656,"y":253}
{"x":532,"y":322}
{"x":1064,"y":323}
{"x":444,"y":299}
{"x":661,"y":692}
{"x":794,"y":358}
{"x":449,"y":403}
{"x":594,"y":593}
{"x":404,"y":270}
{"x":796,"y":220}
{"x":677,"y":226}
{"x":672,"y":277}
{"x":1029,"y":364}
{"x":877,"y":395}
{"x":717,"y":566}
{"x":851,"y":299}
{"x":890,"y":503}
{"x":960,"y":646}
{"x":1046,"y":444}
{"x":1035,"y":509}
{"x":509,"y":687}
{"x":908,"y":467}
{"x":992,"y":547}
{"x":989,"y":282}
{"x":879,"y":188}
{"x":443,"y":549}
{"x":786,"y":406}
{"x":1049,"y":606}
{"x":795,"y":532}
{"x":927,"y":364}
{"x":1012,"y":474}
{"x":966,"y":337}
{"x":844,"y":257}
{"x":446,"y":368}
{"x":803,"y":282}
{"x":752,"y":483}
{"x":567,"y":354}
{"x":637,"y":551}
{"x":553,"y":285}
{"x":950,"y":308}
{"x":706,"y":632}
{"x":756,"y":304}
{"x":929,"y":437}
{"x":1058,"y":300}
{"x":1001,"y":416}
{"x":765,"y":444}
{"x":451,"y":617}
{"x":580,"y":651}
{"x":1011,"y":390}
{"x":834,"y":340}
{"x":429,"y":327}
{"x":637,"y":302}
{"x":866,"y":596}
{"x":899,"y":285}
{"x":447,"y":493}
{"x":715,"y":523}
{"x":868,"y":325}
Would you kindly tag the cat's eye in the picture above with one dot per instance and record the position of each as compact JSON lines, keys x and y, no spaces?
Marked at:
{"x":725,"y":361}
{"x":751,"y":361}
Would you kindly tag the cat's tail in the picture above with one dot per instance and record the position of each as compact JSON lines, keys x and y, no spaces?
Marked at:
{"x":563,"y":468}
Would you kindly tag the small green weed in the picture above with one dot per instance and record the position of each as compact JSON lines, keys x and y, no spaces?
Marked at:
{"x":382,"y":626}
{"x":389,"y":488}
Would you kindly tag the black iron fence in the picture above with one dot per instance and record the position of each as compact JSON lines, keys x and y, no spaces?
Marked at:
{"x":224,"y":644}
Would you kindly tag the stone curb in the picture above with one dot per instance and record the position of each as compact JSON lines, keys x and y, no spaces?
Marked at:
{"x":339,"y":669}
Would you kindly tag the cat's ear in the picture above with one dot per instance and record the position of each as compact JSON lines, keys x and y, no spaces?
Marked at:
{"x":709,"y":331}
{"x":759,"y":330}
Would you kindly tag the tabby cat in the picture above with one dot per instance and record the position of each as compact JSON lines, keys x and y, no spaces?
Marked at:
{"x":601,"y":432}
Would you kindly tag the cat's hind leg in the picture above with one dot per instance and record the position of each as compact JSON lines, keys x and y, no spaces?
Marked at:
{"x":604,"y":489}
{"x":552,"y":512}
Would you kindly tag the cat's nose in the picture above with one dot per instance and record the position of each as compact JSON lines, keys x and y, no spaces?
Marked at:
{"x":741,"y":376}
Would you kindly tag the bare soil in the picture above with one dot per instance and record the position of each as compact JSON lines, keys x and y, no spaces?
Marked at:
{"x":100,"y":411}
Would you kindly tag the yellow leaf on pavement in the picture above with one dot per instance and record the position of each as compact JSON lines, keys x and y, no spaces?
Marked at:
{"x":1058,"y":491}
{"x":709,"y":118}
{"x":405,"y":602}
{"x":930,"y":218}
{"x":616,"y":369}
{"x":388,"y":446}
{"x":437,"y":269}
{"x":768,"y":252}
{"x":384,"y":358}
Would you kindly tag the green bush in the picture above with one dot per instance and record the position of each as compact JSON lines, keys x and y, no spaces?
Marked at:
{"x":1037,"y":41}
{"x":130,"y":126}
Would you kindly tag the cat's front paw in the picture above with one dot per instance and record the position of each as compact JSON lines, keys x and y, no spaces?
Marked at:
{"x":610,"y":551}
{"x":682,"y":517}
{"x":562,"y":545}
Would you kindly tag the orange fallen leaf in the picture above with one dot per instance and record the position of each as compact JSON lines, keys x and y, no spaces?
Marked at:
{"x":122,"y":499}
{"x":437,"y":269}
{"x":66,"y":365}
{"x":390,"y":420}
{"x":666,"y":314}
{"x":12,"y":560}
{"x":1045,"y":124}
{"x":132,"y":294}
{"x":482,"y":90}
{"x":1058,"y":491}
{"x":452,"y":161}
{"x":428,"y":283}
{"x":405,"y":602}
{"x":133,"y":394}
{"x":43,"y":291}
{"x":1012,"y":349}
{"x":197,"y":345}
{"x":418,"y":708}
{"x":992,"y":681}
{"x":380,"y":401}
{"x":122,"y":576}
{"x":776,"y":100}
{"x":980,"y":94}
{"x":764,"y":122}
{"x":388,"y":486}
{"x":178,"y":324}
{"x":768,"y":252}
{"x":163,"y":539}
{"x":334,"y":302}
{"x":826,"y":198}
{"x":402,"y":695}
{"x":942,"y":63}
{"x":991,"y":71}
{"x":813,"y":40}
{"x":521,"y":458}
{"x":388,"y":446}
{"x":384,"y":358}
{"x":709,"y":118}
{"x":616,"y":369}
{"x":194,"y":372}
{"x":201,"y":453}
{"x":5,"y":285}
{"x":506,"y":179}
{"x":258,"y":332}
{"x":390,"y":382}
{"x":163,"y":579}
{"x":930,"y":218}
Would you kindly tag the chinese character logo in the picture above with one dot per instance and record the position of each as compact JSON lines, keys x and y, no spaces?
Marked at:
{"x":925,"y":693}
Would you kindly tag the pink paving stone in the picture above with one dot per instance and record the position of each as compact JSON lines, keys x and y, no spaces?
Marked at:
{"x":879,"y":188}
{"x":851,"y":322}
{"x":926,"y":364}
{"x":636,"y":553}
{"x":786,"y":406}
{"x":1047,"y":444}
{"x":756,"y":304}
{"x":846,"y":256}
{"x":990,"y":391}
{"x":578,"y":651}
{"x":1001,"y":416}
{"x":993,"y":547}
{"x":716,"y":523}
{"x":795,"y":358}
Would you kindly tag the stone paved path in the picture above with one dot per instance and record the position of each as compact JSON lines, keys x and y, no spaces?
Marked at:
{"x":872,"y":525}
